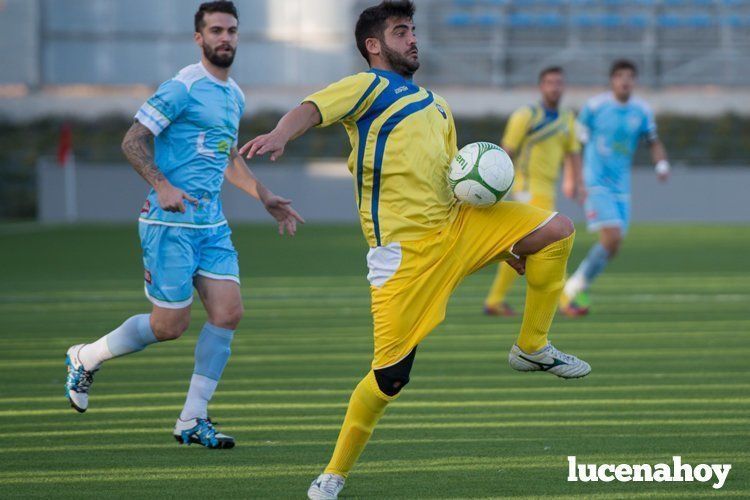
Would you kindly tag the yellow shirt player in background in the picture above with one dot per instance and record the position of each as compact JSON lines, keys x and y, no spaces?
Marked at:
{"x":539,"y":138}
{"x":422,"y":243}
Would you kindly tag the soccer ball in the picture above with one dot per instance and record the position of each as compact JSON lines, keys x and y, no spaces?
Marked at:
{"x":481,"y":174}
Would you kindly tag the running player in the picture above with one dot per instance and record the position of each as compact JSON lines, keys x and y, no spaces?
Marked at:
{"x":610,"y":126}
{"x":539,"y":137}
{"x":192,"y":120}
{"x":422,"y":244}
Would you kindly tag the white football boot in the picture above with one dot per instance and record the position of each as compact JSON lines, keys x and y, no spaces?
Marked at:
{"x":79,"y":380}
{"x":548,"y":359}
{"x":326,"y":487}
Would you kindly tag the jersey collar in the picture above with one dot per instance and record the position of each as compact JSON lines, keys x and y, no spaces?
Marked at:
{"x":212,"y":77}
{"x":394,"y":77}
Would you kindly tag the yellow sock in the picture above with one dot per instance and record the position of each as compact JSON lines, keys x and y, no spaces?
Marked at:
{"x":504,"y":279}
{"x":545,"y":277}
{"x":366,"y":406}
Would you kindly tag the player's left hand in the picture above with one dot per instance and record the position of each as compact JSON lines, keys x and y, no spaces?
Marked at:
{"x":281,"y":210}
{"x":271,"y":143}
{"x":518,"y":265}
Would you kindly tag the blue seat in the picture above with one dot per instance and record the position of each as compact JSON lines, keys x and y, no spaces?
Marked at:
{"x":458,"y":20}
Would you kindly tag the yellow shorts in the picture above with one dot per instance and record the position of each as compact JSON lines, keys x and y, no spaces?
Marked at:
{"x":547,"y":202}
{"x":410,"y":300}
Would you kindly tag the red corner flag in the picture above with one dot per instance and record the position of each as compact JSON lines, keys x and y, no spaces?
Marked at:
{"x":65,"y":146}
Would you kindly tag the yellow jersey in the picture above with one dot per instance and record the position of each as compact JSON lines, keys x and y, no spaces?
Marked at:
{"x":403,"y":139}
{"x":540,"y":139}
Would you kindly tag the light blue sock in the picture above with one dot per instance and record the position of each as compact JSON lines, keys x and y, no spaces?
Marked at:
{"x":594,"y":263}
{"x":211,"y":356}
{"x":212,"y":351}
{"x":132,"y":336}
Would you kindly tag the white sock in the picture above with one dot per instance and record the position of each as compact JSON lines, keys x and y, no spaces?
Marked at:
{"x":132,"y":336}
{"x":575,"y":285}
{"x":200,"y":393}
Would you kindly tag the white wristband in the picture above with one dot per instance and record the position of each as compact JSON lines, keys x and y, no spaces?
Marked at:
{"x":662,"y":167}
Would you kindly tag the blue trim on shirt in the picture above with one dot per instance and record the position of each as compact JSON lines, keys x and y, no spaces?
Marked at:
{"x":385,"y":131}
{"x":362,"y":99}
{"x":384,"y":101}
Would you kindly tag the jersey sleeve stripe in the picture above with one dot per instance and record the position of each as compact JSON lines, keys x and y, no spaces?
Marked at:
{"x":385,"y":131}
{"x":362,"y":99}
{"x":152,"y":118}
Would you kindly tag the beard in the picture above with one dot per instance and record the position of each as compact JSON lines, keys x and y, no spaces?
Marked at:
{"x":221,"y":60}
{"x":398,"y":62}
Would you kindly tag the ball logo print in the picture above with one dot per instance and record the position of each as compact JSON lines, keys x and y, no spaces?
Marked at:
{"x":481,"y":174}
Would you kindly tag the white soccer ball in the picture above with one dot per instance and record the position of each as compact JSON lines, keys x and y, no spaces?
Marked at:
{"x":481,"y":174}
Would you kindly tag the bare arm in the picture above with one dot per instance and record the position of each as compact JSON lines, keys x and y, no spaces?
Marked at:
{"x":138,"y":150}
{"x":240,"y":175}
{"x":659,"y":157}
{"x":292,"y":125}
{"x":572,"y":185}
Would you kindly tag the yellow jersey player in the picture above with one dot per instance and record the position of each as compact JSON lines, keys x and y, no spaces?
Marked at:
{"x":539,"y":138}
{"x":422,"y":243}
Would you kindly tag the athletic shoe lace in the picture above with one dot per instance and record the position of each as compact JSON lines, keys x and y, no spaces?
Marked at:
{"x":555,"y":353}
{"x":331,"y":483}
{"x":82,"y":380}
{"x":206,"y":431}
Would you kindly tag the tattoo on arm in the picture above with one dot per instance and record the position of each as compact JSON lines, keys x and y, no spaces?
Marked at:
{"x":138,"y":150}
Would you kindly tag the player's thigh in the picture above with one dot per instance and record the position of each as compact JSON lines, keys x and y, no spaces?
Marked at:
{"x":410,"y":290}
{"x":169,"y":261}
{"x":217,"y":277}
{"x":484,"y":235}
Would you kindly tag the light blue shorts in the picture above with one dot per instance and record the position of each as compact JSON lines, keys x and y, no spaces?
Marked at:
{"x":605,"y":208}
{"x":174,"y":256}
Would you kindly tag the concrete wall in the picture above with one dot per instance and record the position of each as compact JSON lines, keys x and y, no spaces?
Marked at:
{"x":323,"y":192}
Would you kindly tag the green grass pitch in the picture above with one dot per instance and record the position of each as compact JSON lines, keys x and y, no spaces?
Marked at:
{"x":669,"y":342}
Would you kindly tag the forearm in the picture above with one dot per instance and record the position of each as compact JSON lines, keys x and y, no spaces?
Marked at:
{"x":658,"y":152}
{"x":574,"y":168}
{"x":298,"y":121}
{"x":138,"y":150}
{"x":240,"y":175}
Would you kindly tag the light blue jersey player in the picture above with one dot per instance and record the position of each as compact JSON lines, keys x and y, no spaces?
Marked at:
{"x":610,"y":125}
{"x":192,"y":121}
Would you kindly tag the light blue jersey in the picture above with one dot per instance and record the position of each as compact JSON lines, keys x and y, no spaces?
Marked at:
{"x":611,"y":131}
{"x":195,"y":118}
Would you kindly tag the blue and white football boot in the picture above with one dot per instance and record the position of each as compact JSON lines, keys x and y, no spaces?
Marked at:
{"x":548,"y":359}
{"x":78,"y":381}
{"x":201,"y":431}
{"x":326,"y":487}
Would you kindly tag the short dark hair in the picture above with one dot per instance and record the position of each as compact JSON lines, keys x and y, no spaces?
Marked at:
{"x":372,"y":21}
{"x":549,"y":70}
{"x":623,"y":64}
{"x":224,"y":6}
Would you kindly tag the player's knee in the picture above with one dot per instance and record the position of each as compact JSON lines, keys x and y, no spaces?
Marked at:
{"x":612,"y":246}
{"x":170,"y":330}
{"x":561,"y":227}
{"x":228,"y":318}
{"x":394,"y":378}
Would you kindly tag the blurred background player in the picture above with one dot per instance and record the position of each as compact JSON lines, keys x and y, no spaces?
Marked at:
{"x":192,"y":121}
{"x":422,"y":243}
{"x":538,"y":138}
{"x":610,"y":125}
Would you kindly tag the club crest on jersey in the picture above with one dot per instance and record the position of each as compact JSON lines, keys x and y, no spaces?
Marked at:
{"x":147,"y":276}
{"x":146,"y":208}
{"x":442,"y":110}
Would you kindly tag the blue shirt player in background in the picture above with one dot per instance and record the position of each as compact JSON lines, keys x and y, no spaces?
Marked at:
{"x":192,"y":120}
{"x":610,"y":125}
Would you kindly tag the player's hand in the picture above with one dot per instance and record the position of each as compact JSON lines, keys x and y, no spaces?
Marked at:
{"x":281,"y":210}
{"x":518,"y":265}
{"x":662,"y":170}
{"x":172,"y":199}
{"x":272,"y":143}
